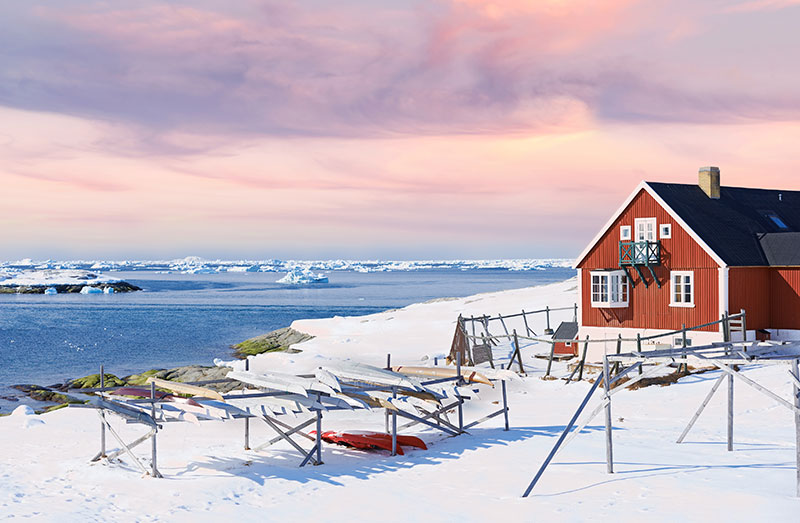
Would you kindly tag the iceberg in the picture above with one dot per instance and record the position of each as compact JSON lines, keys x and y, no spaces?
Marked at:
{"x":91,"y":290}
{"x":302,"y":276}
{"x":109,"y":290}
{"x":50,"y":291}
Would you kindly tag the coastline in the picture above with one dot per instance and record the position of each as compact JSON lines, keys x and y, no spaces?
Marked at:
{"x":69,"y":288}
{"x":55,"y":396}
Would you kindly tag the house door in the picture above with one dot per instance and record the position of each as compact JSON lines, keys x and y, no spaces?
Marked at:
{"x":645,"y":232}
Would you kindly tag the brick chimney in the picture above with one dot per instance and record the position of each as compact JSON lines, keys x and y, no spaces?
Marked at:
{"x":709,"y":181}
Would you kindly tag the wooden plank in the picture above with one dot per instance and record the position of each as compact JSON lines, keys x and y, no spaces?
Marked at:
{"x":702,"y":408}
{"x":183,"y":388}
{"x":561,"y":438}
{"x":609,"y":428}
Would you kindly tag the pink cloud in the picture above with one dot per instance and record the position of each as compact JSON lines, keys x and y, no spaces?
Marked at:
{"x":762,"y":5}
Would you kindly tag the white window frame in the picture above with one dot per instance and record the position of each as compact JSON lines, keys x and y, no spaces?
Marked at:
{"x":679,"y":278}
{"x":641,"y":226}
{"x":678,"y":342}
{"x":625,"y":233}
{"x":665,"y":231}
{"x":609,"y":289}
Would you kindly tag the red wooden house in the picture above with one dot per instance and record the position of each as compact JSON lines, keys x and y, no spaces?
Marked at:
{"x":677,"y":254}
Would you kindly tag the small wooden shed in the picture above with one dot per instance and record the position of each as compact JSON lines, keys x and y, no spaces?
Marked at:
{"x":568,"y":330}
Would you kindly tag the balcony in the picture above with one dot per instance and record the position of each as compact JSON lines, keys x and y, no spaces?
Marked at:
{"x":639,"y":254}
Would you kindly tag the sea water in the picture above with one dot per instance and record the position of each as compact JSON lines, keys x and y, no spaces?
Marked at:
{"x":181,"y":319}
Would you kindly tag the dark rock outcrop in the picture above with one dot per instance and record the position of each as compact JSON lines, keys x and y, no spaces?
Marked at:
{"x":275,"y":341}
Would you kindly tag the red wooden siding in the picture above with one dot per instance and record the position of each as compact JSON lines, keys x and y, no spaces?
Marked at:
{"x":784,"y":288}
{"x":648,"y":307}
{"x":749,"y":289}
{"x":561,"y":348}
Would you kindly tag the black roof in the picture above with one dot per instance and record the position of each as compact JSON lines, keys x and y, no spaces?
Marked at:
{"x":568,"y":330}
{"x":782,"y":249}
{"x":745,"y":227}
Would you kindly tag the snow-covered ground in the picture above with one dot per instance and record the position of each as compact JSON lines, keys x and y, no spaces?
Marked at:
{"x":44,"y":469}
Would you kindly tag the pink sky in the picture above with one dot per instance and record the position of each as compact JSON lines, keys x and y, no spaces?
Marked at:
{"x":431,"y":129}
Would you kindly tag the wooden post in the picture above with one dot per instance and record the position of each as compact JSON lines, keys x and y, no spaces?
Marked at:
{"x":154,"y":471}
{"x":389,"y":367}
{"x":460,"y":402}
{"x":683,"y":339}
{"x":796,"y":393}
{"x":548,"y":330}
{"x":518,"y":352}
{"x":502,"y":322}
{"x":575,"y":313}
{"x":606,"y":386}
{"x":726,"y":324}
{"x":247,"y":420}
{"x":701,"y":409}
{"x":103,"y":416}
{"x":394,"y":425}
{"x":730,"y":412}
{"x":528,"y":330}
{"x":561,"y":438}
{"x":472,"y":320}
{"x":744,"y":326}
{"x":319,"y":436}
{"x":550,"y":359}
{"x":726,"y":335}
{"x":619,"y":349}
{"x":639,"y":348}
{"x":505,"y":406}
{"x":583,"y":358}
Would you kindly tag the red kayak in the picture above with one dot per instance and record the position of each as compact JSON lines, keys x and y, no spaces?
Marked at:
{"x":137,"y":391}
{"x":371,"y":440}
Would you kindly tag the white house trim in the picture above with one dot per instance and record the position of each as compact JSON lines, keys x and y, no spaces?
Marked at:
{"x":609,"y":223}
{"x":580,"y":298}
{"x":723,"y":293}
{"x":646,"y":187}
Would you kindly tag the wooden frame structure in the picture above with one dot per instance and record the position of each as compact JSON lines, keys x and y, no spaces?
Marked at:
{"x":136,"y":411}
{"x":729,"y":323}
{"x":729,"y":357}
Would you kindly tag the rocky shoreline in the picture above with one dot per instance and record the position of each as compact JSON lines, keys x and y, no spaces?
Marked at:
{"x":56,"y":394}
{"x":119,"y":286}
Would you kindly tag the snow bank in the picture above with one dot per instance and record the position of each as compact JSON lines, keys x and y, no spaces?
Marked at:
{"x":414,"y":334}
{"x":25,"y":417}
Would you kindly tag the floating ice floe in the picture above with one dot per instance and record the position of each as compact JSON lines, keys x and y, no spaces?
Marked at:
{"x":244,"y":268}
{"x":302,"y":276}
{"x":50,"y":277}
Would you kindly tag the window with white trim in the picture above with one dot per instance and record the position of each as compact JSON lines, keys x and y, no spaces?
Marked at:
{"x":665,"y":231}
{"x":609,"y":289}
{"x":681,"y":288}
{"x":625,"y":233}
{"x":678,"y":342}
{"x":645,"y":229}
